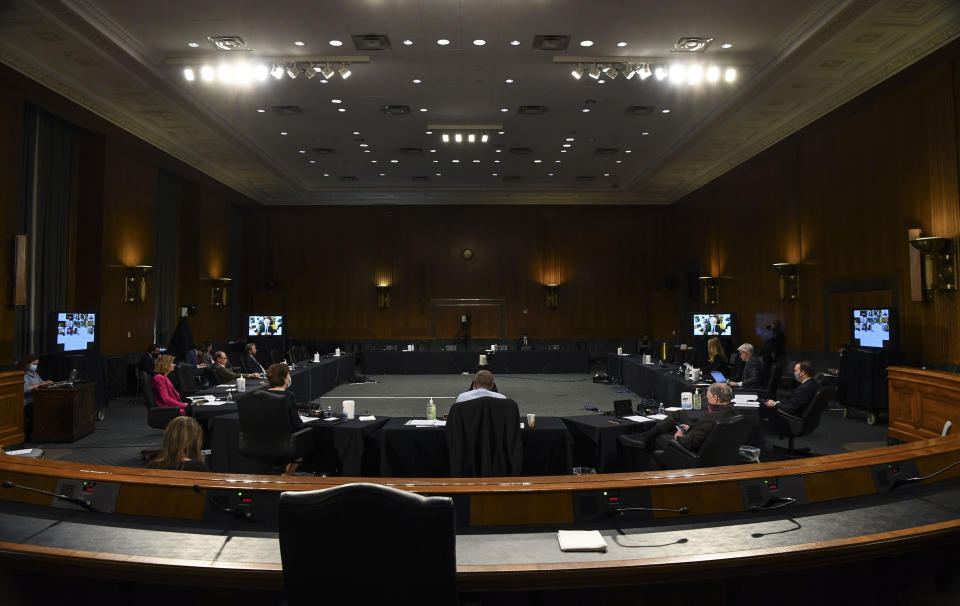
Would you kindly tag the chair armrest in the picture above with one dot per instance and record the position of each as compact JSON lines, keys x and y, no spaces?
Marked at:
{"x":676,"y":456}
{"x":794,"y":421}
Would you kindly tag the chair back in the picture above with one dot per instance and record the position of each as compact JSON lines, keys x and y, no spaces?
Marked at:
{"x":811,"y":416}
{"x":483,"y":438}
{"x":265,"y":430}
{"x":722,"y":446}
{"x":773,"y":384}
{"x":377,"y":538}
{"x":275,"y":357}
{"x":147,"y":381}
{"x":185,"y":380}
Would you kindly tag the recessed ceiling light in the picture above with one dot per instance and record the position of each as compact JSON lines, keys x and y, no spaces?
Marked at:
{"x":726,"y":45}
{"x":429,"y":132}
{"x":549,"y":174}
{"x":569,"y":139}
{"x":433,"y":151}
{"x":335,"y":101}
{"x":509,"y":80}
{"x":621,"y":44}
{"x":644,"y":133}
{"x":356,"y":132}
{"x":299,"y":43}
{"x":366,"y":151}
{"x":260,"y":111}
{"x":514,"y":43}
{"x":586,"y":43}
{"x":479,"y":42}
{"x":628,"y":151}
{"x":326,"y":174}
{"x":408,"y":42}
{"x":364,"y":145}
{"x":619,"y":161}
{"x":436,"y":161}
{"x":283,"y":132}
{"x":443,"y":42}
{"x":496,"y":161}
{"x":498,"y":150}
{"x":455,"y":161}
{"x":566,"y":145}
{"x":373,"y":161}
{"x":476,"y":161}
{"x":342,"y":109}
{"x":499,"y":132}
{"x":324,"y":81}
{"x":192,"y":44}
{"x":313,"y":161}
{"x":394,"y":161}
{"x":563,"y":151}
{"x":438,"y":174}
{"x":556,"y":161}
{"x":423,"y":109}
{"x":664,"y":111}
{"x":585,"y":110}
{"x":493,"y":174}
{"x":336,"y":43}
{"x":417,"y":80}
{"x":504,"y":109}
{"x":601,"y":81}
{"x":302,"y":151}
{"x":383,"y":174}
{"x":537,"y":161}
{"x":606,"y":174}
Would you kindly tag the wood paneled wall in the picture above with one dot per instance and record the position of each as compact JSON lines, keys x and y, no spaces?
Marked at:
{"x":838,"y":197}
{"x":326,"y":263}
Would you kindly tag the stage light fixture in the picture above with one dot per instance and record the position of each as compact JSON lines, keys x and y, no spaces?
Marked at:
{"x":292,"y":70}
{"x":277,"y":70}
{"x":344,"y":71}
{"x":594,"y":71}
{"x":188,"y":74}
{"x":577,"y":72}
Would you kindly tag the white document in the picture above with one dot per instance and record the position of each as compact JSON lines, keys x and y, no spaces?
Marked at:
{"x":304,"y":419}
{"x":673,"y":408}
{"x":368,"y":418}
{"x":202,"y":398}
{"x":638,"y":418}
{"x":658,"y":417}
{"x":746,"y":404}
{"x":581,"y":540}
{"x":22,"y":451}
{"x":744,"y":398}
{"x":426,"y":423}
{"x":228,"y":385}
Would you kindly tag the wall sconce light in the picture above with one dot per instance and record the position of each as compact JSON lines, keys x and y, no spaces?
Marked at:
{"x":789,"y":282}
{"x":708,"y":288}
{"x":938,"y":271}
{"x":218,"y":293}
{"x":383,"y":296}
{"x":135,"y":284}
{"x":553,"y":296}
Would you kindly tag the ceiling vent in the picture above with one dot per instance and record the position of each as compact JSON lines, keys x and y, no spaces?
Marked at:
{"x":228,"y":43}
{"x":287,"y":110}
{"x":608,"y":151}
{"x":323,"y":151}
{"x":410,"y":151}
{"x":551,"y":43}
{"x":348,"y":179}
{"x":521,"y":151}
{"x":640,"y":110}
{"x":691,"y":44}
{"x":420,"y":178}
{"x":371,"y":42}
{"x":532,"y":110}
{"x":396,"y":110}
{"x":512,"y":179}
{"x":584,"y":179}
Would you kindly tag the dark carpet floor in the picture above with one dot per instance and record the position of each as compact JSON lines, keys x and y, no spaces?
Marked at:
{"x":119,"y":438}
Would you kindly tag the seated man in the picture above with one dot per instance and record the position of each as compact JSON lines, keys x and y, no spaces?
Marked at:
{"x":224,"y":374}
{"x":798,"y":401}
{"x":677,"y":425}
{"x":752,"y":376}
{"x":149,"y":359}
{"x":249,"y":362}
{"x":483,"y":386}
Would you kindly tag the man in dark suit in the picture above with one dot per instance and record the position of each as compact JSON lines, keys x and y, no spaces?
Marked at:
{"x":249,"y":362}
{"x":798,"y":401}
{"x":149,"y":359}
{"x":690,"y":434}
{"x":752,"y":376}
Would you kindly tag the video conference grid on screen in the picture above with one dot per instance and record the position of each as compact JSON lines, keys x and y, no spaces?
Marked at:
{"x":871,"y":327}
{"x":712,"y":325}
{"x":76,"y":331}
{"x":265,"y":326}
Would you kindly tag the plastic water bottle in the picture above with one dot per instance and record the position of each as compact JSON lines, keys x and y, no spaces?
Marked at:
{"x":660,"y":410}
{"x":431,"y":410}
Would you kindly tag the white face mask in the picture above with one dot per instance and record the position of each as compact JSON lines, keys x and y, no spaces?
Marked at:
{"x":798,"y":377}
{"x":289,"y":381}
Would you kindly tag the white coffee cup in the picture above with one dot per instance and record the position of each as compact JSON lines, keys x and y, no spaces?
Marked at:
{"x":647,"y":359}
{"x":337,"y":353}
{"x":531,"y":419}
{"x":349,"y":408}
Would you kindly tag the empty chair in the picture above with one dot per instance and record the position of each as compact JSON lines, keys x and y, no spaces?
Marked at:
{"x":773,"y":383}
{"x":378,"y":539}
{"x":483,"y":438}
{"x":186,"y":383}
{"x":266,"y":433}
{"x":722,"y":446}
{"x":799,"y":426}
{"x":275,"y":357}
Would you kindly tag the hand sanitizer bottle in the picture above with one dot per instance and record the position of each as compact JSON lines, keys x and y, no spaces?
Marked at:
{"x":431,"y":410}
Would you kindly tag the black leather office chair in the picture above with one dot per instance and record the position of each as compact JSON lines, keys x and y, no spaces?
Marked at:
{"x":275,"y":357}
{"x":157,"y":416}
{"x":266,"y":433}
{"x":483,"y":438}
{"x":799,"y":426}
{"x":375,"y":540}
{"x":186,"y":384}
{"x":722,"y":446}
{"x":773,"y":382}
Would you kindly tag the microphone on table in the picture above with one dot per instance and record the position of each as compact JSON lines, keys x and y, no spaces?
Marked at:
{"x":758,"y":535}
{"x":913,"y":480}
{"x":240,"y":515}
{"x":622,"y":510}
{"x":61,"y":497}
{"x":775,"y":503}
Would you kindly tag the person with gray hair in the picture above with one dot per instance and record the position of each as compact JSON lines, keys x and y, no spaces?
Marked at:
{"x":690,"y":434}
{"x":752,"y":376}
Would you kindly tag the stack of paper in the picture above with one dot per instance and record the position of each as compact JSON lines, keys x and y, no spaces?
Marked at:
{"x":581,"y":540}
{"x":426,"y":423}
{"x":638,"y":418}
{"x":746,"y":401}
{"x":658,"y":417}
{"x":367,"y":418}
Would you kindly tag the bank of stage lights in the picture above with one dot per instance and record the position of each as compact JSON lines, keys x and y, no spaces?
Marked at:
{"x":676,"y":73}
{"x":244,"y":73}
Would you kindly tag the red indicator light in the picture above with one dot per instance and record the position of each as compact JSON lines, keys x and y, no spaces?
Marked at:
{"x":895,"y":470}
{"x":773,"y":487}
{"x":246,"y":500}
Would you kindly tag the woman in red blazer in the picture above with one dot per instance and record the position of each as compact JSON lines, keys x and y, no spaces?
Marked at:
{"x":164,"y":393}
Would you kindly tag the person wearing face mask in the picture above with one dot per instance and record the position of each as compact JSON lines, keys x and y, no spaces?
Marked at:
{"x":31,"y":382}
{"x":798,"y":401}
{"x":278,"y":375}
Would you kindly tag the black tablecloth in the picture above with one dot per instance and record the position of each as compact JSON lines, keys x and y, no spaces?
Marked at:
{"x":411,"y":452}
{"x":310,"y":380}
{"x":348,"y":448}
{"x":651,"y":381}
{"x":546,"y":362}
{"x":862,"y":382}
{"x":419,"y":362}
{"x":595,"y":441}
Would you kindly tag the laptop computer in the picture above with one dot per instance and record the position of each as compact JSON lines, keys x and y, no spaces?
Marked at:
{"x":622,"y":408}
{"x":718,"y":376}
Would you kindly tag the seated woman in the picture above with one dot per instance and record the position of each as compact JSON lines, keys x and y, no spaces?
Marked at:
{"x":31,"y":382}
{"x":164,"y":393}
{"x":716,"y":358}
{"x":278,"y":375}
{"x":182,"y":440}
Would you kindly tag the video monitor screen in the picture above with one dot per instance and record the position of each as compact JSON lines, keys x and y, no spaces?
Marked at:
{"x":872,"y":327}
{"x":263,"y":326}
{"x":710,"y":325}
{"x":76,"y":331}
